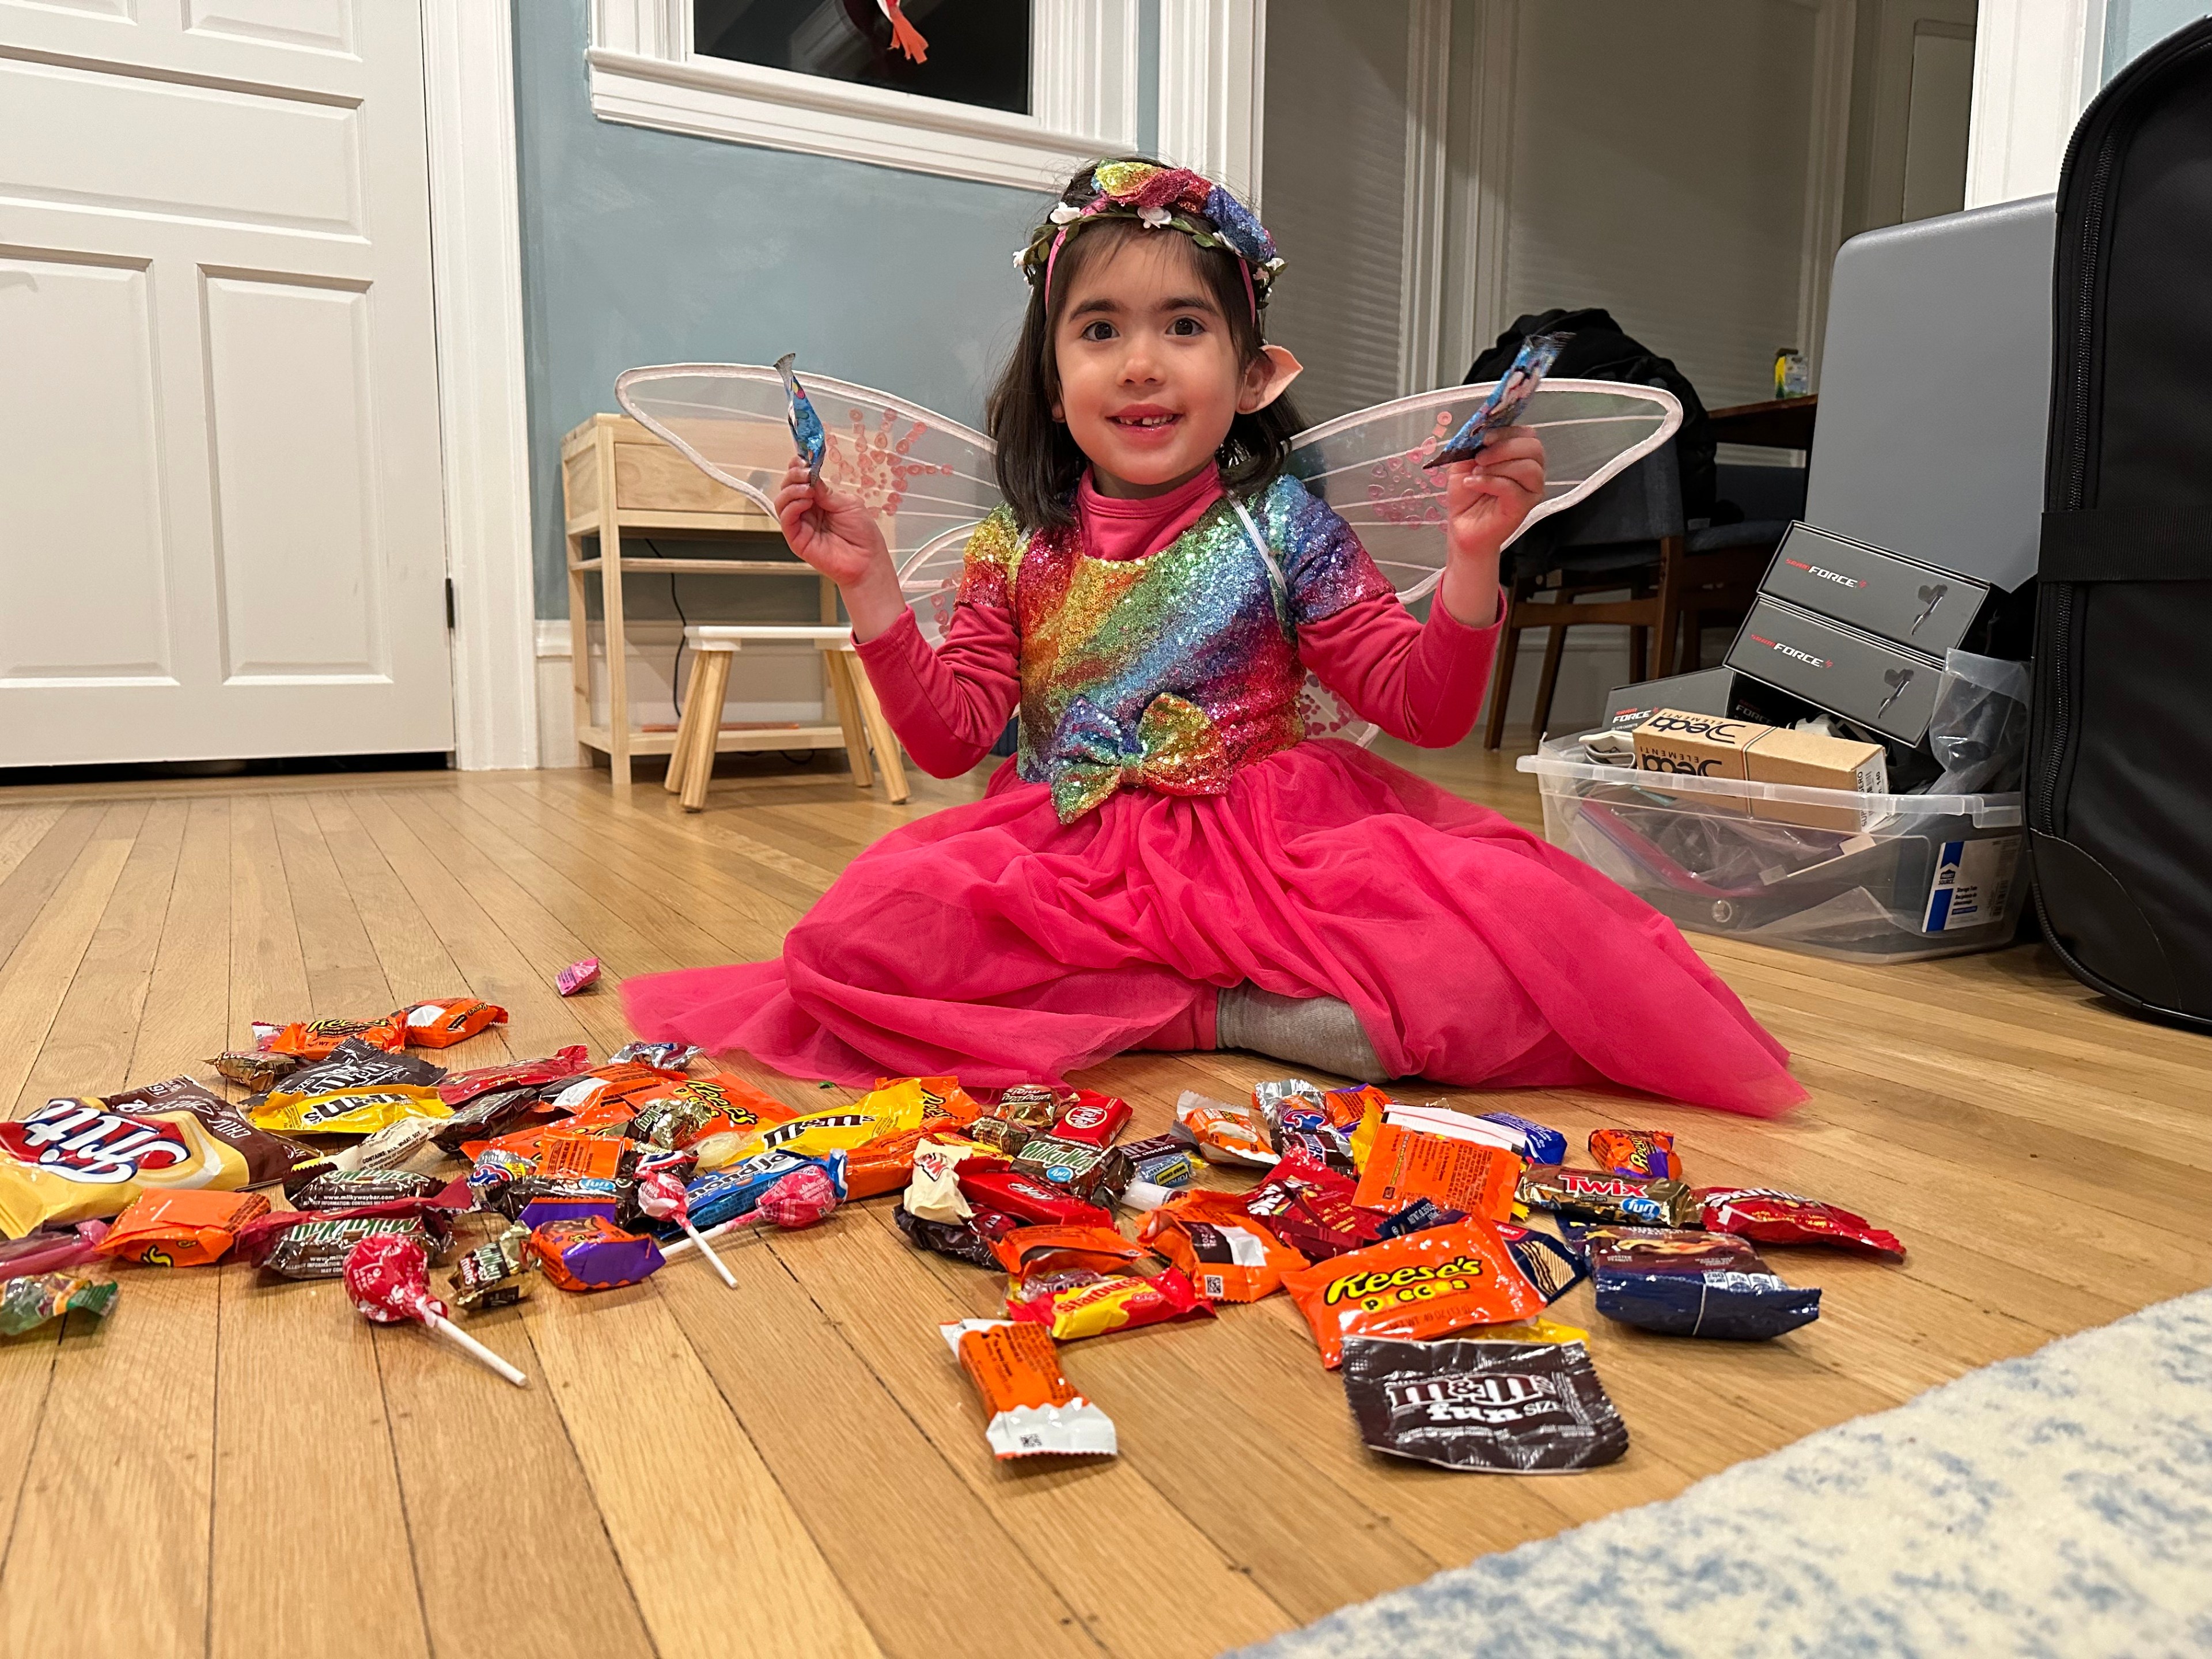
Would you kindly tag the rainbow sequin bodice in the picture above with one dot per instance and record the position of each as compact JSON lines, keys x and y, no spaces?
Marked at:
{"x":1169,"y":672}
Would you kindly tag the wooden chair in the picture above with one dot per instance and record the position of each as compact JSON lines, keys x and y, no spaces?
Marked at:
{"x":699,"y":734}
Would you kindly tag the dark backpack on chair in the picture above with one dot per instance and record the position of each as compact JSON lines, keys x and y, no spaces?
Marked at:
{"x":2119,"y":770}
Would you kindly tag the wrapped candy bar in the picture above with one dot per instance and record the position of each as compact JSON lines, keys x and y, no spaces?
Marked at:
{"x":1769,"y":1217}
{"x":1038,"y":1202}
{"x":1034,"y":1408}
{"x":28,"y":1301}
{"x":1405,"y":1165}
{"x":78,"y":1159}
{"x":318,"y":1039}
{"x":1538,"y":1144}
{"x":194,"y":1228}
{"x":1502,"y":1408}
{"x":1094,"y":1174}
{"x":691,"y":1111}
{"x":313,"y":1244}
{"x":593,"y":1254}
{"x":354,"y":1065}
{"x":253,"y":1069}
{"x":1271,"y":1096}
{"x":1681,"y":1283}
{"x":1031,"y":1251}
{"x":1587,"y":1195}
{"x":336,"y":1189}
{"x":1646,"y":1152}
{"x":1224,"y":1134}
{"x":349,"y":1111}
{"x":998,"y":1135}
{"x":1429,"y":1284}
{"x":1308,"y":1206}
{"x":388,"y":1279}
{"x":1161,"y":1160}
{"x":1221,"y":1249}
{"x":1030,"y":1106}
{"x":577,"y":976}
{"x":1546,"y":1263}
{"x":461,"y":1086}
{"x":665,"y":1056}
{"x":1075,"y":1306}
{"x":969,"y":1241}
{"x":495,"y":1273}
{"x":484,"y":1116}
{"x":450,"y":1020}
{"x":1093,"y":1120}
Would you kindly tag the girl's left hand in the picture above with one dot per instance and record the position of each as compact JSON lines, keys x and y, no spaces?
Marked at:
{"x":1486,"y":498}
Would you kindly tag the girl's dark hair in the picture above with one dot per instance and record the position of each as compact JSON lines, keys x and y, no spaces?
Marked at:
{"x":1038,"y":462}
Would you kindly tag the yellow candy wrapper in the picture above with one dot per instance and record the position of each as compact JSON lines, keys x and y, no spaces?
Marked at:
{"x":895,"y":1109}
{"x":361,"y":1111}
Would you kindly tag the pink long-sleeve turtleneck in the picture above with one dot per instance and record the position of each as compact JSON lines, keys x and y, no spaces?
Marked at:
{"x":1420,"y":682}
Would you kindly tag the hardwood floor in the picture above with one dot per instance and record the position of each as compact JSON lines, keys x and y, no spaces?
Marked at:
{"x":225,"y":1468}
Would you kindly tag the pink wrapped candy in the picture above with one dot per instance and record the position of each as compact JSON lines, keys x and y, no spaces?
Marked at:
{"x":577,"y":976}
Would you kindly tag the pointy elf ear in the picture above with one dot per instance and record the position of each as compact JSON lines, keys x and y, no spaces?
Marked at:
{"x":1267,"y":378}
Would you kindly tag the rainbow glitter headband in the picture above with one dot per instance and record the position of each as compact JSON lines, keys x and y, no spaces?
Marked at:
{"x":1159,"y":198}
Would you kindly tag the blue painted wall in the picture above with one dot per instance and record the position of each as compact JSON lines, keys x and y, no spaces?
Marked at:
{"x":651,"y":248}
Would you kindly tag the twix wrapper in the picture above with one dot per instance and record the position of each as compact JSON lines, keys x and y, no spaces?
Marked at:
{"x":1034,"y":1408}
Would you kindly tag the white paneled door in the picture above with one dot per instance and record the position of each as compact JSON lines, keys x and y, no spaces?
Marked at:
{"x":221,"y":521}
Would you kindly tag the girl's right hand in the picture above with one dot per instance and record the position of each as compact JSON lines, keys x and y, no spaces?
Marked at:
{"x":828,"y":528}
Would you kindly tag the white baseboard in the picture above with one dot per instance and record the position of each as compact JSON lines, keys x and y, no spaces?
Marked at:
{"x":768,"y":682}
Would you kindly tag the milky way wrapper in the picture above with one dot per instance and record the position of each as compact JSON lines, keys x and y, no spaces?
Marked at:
{"x":1034,"y":1409}
{"x":1611,"y":1200}
{"x":969,"y":1241}
{"x":79,"y":1158}
{"x":1681,"y":1283}
{"x":1494,"y":1408}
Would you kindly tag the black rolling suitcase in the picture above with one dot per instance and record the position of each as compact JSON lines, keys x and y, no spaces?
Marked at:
{"x":2119,"y":772}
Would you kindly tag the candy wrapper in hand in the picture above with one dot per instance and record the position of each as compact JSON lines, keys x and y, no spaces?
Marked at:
{"x":318,"y":1039}
{"x":1648,"y":1153}
{"x":462,"y":1086}
{"x":577,"y":976}
{"x":191,"y":1228}
{"x":81,"y":1159}
{"x":1224,"y":1134}
{"x":1034,"y":1408}
{"x":1771,"y":1218}
{"x":1500,"y":1408}
{"x":1429,"y":1284}
{"x":805,"y":425}
{"x":1694,"y":1284}
{"x":29,"y":1302}
{"x":1094,"y":1304}
{"x":1220,"y":1248}
{"x":1503,"y":407}
{"x":450,"y":1020}
{"x":593,"y":1254}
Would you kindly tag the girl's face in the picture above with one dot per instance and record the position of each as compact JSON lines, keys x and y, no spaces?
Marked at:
{"x":1150,"y":372}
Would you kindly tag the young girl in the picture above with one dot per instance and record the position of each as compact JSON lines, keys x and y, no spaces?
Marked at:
{"x":1171,"y":863}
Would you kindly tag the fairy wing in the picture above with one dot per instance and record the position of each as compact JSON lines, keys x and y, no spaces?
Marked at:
{"x":1368,"y":466}
{"x":927,"y":479}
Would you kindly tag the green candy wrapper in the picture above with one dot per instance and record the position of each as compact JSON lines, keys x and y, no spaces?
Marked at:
{"x":28,"y":1302}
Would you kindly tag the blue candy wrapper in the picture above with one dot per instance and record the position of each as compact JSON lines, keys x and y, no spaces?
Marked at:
{"x":1694,"y":1284}
{"x":805,"y":425}
{"x":727,"y":1194}
{"x":1545,"y":1146}
{"x":1506,"y":400}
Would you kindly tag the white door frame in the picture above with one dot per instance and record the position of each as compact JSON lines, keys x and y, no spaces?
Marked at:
{"x":476,"y":259}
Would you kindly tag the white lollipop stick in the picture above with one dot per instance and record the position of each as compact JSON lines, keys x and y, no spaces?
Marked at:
{"x":692,"y":1234}
{"x":701,"y":1239}
{"x":455,"y":1335}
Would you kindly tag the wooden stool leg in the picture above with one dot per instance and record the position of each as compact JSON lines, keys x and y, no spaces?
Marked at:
{"x":841,"y":666}
{"x":881,"y":737}
{"x":687,"y":726}
{"x":1509,"y":648}
{"x":709,"y":704}
{"x":1550,"y":682}
{"x":1673,"y":553}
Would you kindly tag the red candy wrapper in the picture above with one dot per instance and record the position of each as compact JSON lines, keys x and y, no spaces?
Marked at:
{"x":387,"y":1278}
{"x":522,"y":1074}
{"x":1308,"y":1206}
{"x":799,"y":1200}
{"x":1647,"y":1154}
{"x":1095,"y":1120}
{"x":1096,"y":1303}
{"x":1038,"y":1202}
{"x":1767,"y":1217}
{"x":577,"y":976}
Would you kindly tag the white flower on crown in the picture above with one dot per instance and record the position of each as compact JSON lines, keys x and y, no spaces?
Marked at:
{"x":1065,"y":213}
{"x":1154,"y":218}
{"x":1273,"y":265}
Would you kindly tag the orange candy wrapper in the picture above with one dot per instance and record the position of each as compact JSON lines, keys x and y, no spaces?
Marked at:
{"x":187,"y":1229}
{"x":1098,"y":1304}
{"x":441,"y":1025}
{"x":1034,"y":1408}
{"x":318,"y":1039}
{"x":1222,"y":1251}
{"x":1404,"y":1164}
{"x":1427,"y":1284}
{"x":1058,"y":1250}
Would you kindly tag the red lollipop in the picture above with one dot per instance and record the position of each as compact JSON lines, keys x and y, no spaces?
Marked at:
{"x":661,"y":1195}
{"x":799,"y":1199}
{"x":388,"y":1278}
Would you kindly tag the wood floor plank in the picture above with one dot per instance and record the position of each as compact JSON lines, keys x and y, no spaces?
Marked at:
{"x":28,"y":885}
{"x":38,"y":972}
{"x":186,"y":1013}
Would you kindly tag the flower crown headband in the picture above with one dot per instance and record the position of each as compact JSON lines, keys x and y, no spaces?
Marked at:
{"x":1158,"y":198}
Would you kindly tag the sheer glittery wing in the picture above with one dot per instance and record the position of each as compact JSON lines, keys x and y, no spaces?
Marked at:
{"x":1369,"y":464}
{"x":927,"y":479}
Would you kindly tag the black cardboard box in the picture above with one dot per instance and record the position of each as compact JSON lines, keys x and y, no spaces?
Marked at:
{"x":1705,"y":692}
{"x":1880,"y":593}
{"x":1885,"y":687}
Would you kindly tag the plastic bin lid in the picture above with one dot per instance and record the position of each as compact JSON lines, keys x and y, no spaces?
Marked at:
{"x":1988,"y":811}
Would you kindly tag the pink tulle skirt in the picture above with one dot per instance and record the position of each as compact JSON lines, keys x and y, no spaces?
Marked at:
{"x":995,"y":942}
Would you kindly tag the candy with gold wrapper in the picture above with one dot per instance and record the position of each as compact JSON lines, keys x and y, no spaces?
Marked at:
{"x":494,"y":1274}
{"x":1594,"y":1195}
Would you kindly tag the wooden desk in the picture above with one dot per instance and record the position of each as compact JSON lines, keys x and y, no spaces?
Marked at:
{"x":653,"y":487}
{"x":1778,"y":423}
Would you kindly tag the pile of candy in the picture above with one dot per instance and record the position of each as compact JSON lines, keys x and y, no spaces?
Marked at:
{"x":1396,"y":1228}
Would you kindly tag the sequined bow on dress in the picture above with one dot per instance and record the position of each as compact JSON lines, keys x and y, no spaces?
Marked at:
{"x":1177,"y":751}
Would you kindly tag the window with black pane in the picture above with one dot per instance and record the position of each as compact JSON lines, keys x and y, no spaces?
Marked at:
{"x":968,"y":51}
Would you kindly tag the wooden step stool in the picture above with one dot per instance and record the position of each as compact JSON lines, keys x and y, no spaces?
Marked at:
{"x":692,"y":762}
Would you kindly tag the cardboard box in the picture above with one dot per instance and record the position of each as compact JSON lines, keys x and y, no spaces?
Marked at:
{"x":1686,"y":742}
{"x":1705,"y":692}
{"x":1895,"y":598}
{"x":1813,"y":760}
{"x":1888,"y":688}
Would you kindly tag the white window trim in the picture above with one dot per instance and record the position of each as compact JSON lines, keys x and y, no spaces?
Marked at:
{"x":1213,"y":57}
{"x":1084,"y":68}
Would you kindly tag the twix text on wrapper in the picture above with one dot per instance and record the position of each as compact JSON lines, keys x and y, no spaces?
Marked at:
{"x":1034,"y":1409}
{"x":1591,"y":1195}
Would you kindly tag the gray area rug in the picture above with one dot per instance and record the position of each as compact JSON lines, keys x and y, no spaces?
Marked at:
{"x":2059,"y":1504}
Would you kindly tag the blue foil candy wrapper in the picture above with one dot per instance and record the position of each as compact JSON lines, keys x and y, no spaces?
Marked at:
{"x":1694,"y":1284}
{"x":727,"y":1194}
{"x":805,"y":425}
{"x":1545,"y":1144}
{"x":1503,"y":407}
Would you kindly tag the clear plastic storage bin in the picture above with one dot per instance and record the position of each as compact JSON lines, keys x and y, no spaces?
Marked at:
{"x":1899,"y":878}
